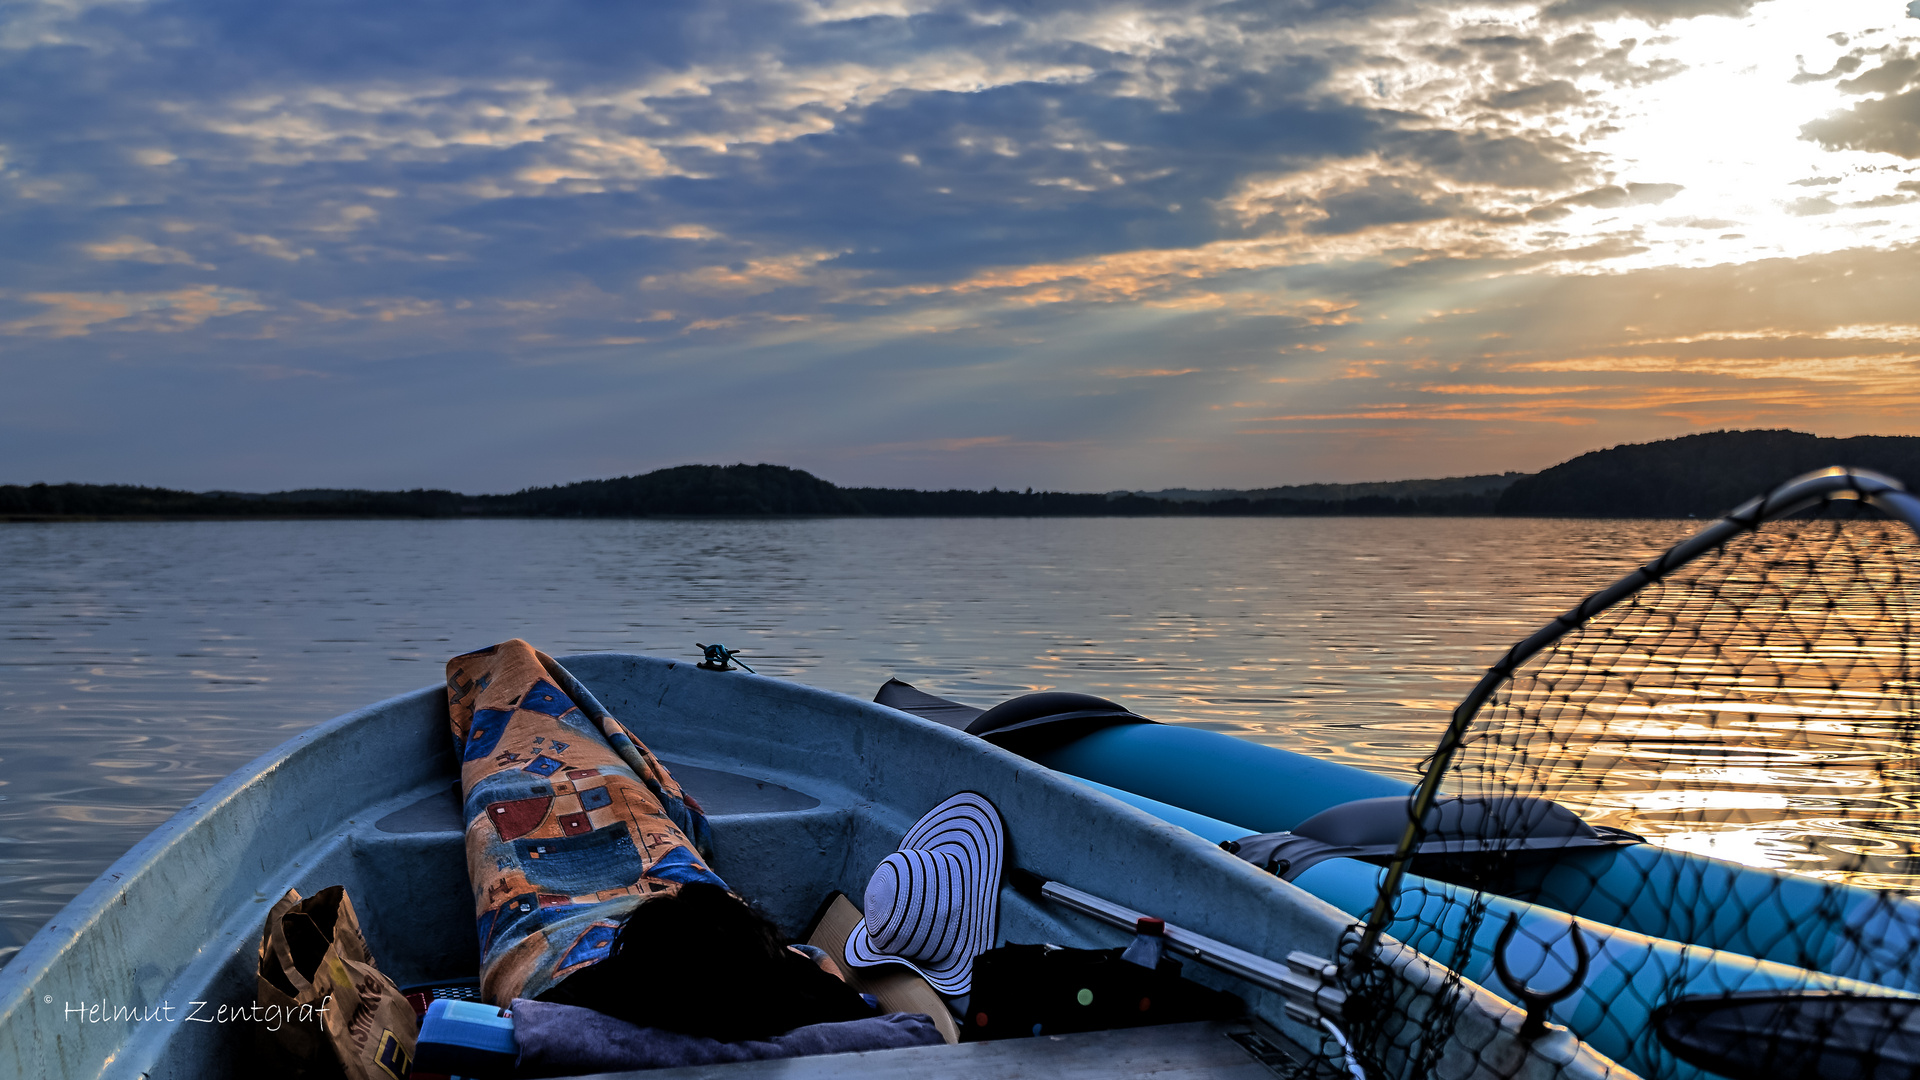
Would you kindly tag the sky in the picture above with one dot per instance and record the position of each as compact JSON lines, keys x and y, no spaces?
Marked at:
{"x":1068,"y":245}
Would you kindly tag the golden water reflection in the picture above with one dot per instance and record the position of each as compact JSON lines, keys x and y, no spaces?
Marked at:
{"x":1759,"y":706}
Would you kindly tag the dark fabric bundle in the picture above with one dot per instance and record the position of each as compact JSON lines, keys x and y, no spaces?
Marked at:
{"x":560,"y":1040}
{"x":702,"y":962}
{"x":1026,"y":990}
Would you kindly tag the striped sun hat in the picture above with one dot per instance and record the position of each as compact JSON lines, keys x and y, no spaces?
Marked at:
{"x":932,"y":905}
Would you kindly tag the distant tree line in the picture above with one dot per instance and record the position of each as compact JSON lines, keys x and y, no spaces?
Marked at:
{"x":684,"y":491}
{"x":1699,"y":475}
{"x":775,"y":489}
{"x":124,"y":501}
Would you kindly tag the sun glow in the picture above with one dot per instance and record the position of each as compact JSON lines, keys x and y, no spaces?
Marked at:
{"x":1731,"y":129}
{"x":1697,"y":142}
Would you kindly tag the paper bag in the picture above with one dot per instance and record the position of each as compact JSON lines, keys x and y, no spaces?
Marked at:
{"x":339,"y":1015}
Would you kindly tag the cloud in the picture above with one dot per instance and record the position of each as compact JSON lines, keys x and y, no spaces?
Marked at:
{"x":1536,"y":163}
{"x":1385,"y":200}
{"x":1896,"y":72}
{"x":136,"y":249}
{"x":1656,"y":12}
{"x":1845,"y":65}
{"x":1889,"y":125}
{"x":1539,"y":97}
{"x":1886,"y":124}
{"x":79,"y":314}
{"x":1811,"y":205}
{"x":1613,"y":196}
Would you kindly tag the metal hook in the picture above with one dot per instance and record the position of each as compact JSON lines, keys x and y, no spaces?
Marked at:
{"x":721,"y":658}
{"x":1537,"y":1003}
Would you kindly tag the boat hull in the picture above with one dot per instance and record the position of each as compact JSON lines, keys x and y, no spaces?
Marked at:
{"x":1245,"y":788}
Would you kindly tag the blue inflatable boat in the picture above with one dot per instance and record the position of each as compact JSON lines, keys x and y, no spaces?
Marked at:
{"x":1672,"y":963}
{"x":1340,"y":823}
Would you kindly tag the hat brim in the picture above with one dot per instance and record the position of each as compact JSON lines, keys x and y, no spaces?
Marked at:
{"x":968,"y":827}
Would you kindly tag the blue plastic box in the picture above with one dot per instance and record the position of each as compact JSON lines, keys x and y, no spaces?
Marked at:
{"x":466,"y":1038}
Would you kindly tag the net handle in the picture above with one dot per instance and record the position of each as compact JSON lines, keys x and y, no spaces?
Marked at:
{"x":1882,"y":492}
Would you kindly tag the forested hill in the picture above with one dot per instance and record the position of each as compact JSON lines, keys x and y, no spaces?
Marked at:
{"x":1699,"y":475}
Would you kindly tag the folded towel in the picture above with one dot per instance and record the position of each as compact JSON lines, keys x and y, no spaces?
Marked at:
{"x":565,"y":1040}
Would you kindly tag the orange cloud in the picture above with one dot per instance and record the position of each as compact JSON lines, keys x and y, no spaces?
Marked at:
{"x":1494,"y":388}
{"x":136,"y":249}
{"x":1843,"y":369}
{"x":76,"y":314}
{"x":1148,"y":373}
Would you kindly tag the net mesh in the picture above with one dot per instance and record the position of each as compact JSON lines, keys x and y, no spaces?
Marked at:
{"x":1751,"y":717}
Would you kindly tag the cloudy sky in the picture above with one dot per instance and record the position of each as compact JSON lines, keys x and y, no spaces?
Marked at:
{"x":1072,"y":245}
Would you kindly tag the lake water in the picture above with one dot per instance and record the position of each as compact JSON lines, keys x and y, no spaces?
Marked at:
{"x":142,"y":662}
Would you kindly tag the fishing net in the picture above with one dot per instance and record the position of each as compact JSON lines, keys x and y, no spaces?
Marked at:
{"x":1680,"y":820}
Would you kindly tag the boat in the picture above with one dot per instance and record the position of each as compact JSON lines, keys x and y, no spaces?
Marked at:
{"x":1648,"y":940}
{"x":1639,"y":970}
{"x":149,"y":972}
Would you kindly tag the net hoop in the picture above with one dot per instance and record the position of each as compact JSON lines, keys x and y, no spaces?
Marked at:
{"x":1836,"y":484}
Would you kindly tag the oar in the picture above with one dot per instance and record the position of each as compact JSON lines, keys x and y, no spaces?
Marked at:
{"x":1302,"y":980}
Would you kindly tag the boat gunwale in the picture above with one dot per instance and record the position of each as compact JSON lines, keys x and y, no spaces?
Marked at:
{"x":56,"y":943}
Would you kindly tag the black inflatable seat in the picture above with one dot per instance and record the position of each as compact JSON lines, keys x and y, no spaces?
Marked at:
{"x":1372,"y":829}
{"x":1028,"y":724}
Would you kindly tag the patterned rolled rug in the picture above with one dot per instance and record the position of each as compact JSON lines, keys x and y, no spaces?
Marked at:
{"x":572,"y":823}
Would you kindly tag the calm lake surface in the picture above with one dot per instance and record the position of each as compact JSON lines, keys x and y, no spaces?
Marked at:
{"x":142,"y":662}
